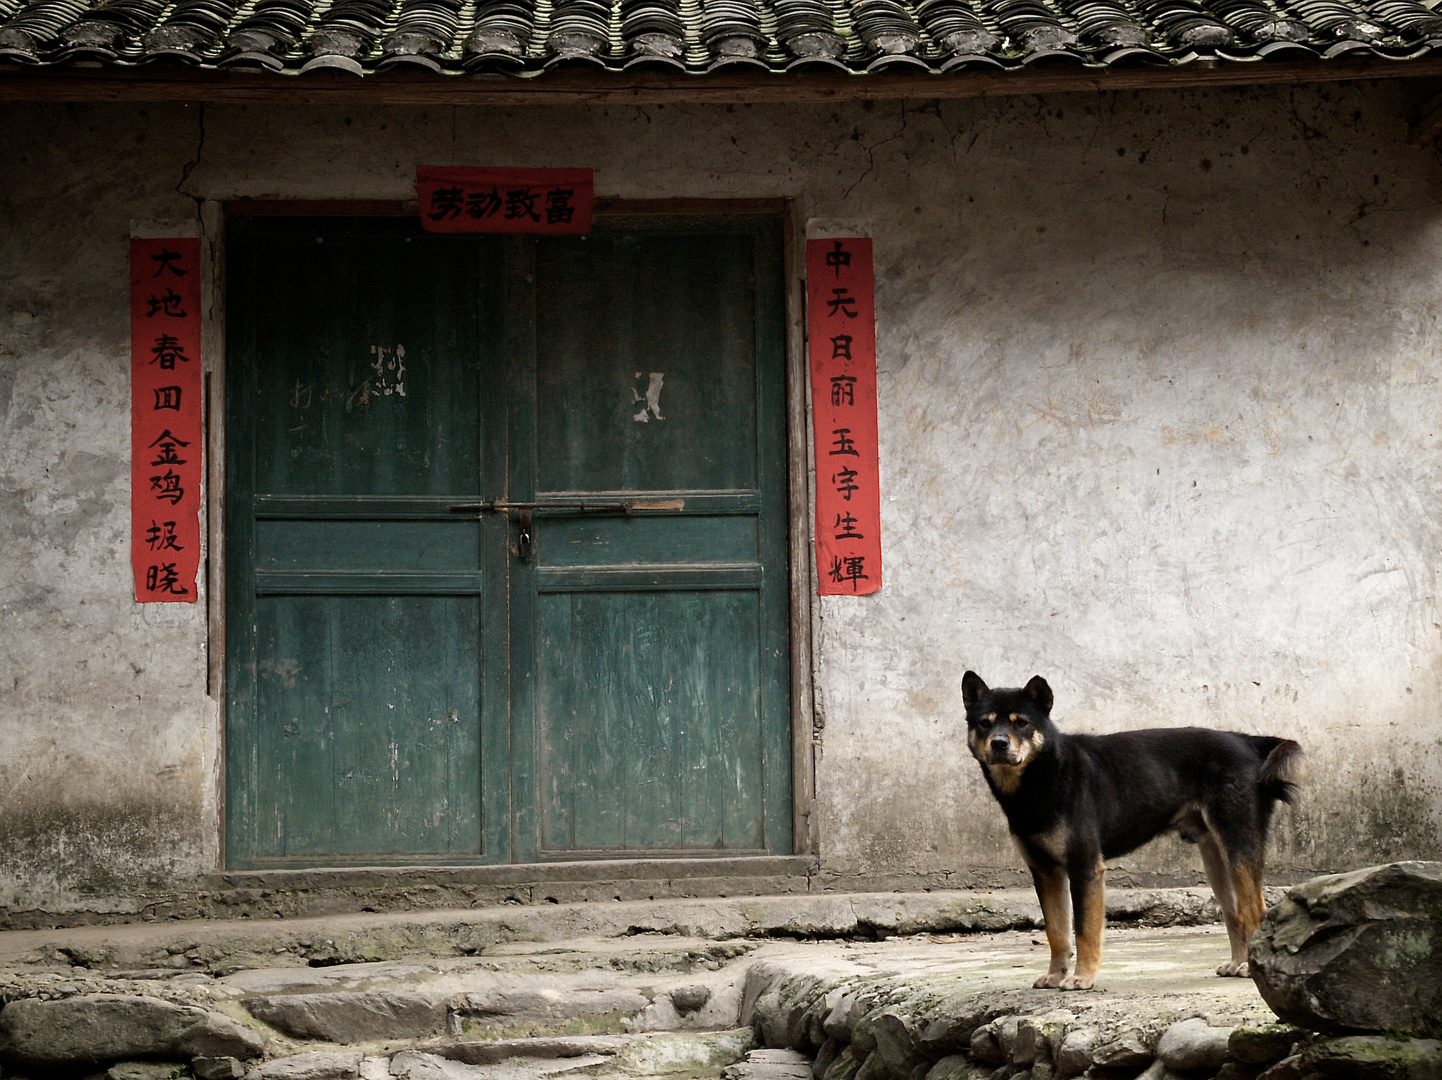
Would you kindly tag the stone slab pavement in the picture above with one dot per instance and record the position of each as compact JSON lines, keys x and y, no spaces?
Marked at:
{"x":667,"y":989}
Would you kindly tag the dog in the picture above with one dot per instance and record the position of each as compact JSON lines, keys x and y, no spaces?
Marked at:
{"x":1072,"y":801}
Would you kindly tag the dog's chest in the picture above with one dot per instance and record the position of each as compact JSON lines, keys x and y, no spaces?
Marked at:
{"x":1051,"y":842}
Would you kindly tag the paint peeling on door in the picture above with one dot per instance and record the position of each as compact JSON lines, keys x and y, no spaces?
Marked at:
{"x":651,"y":402}
{"x":390,"y":371}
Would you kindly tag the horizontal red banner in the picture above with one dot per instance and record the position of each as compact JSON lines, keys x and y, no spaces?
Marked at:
{"x":485,"y":200}
{"x":166,"y":435}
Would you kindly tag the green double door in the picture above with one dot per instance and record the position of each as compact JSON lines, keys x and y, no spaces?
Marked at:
{"x":505,"y":543}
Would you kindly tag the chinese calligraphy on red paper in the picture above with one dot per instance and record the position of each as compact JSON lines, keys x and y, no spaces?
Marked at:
{"x":166,"y":437}
{"x":505,"y":200}
{"x":841,"y":325}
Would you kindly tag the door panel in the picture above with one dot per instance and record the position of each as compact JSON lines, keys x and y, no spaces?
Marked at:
{"x":360,"y":388}
{"x":661,"y":667}
{"x":373,"y":745}
{"x":647,"y":372}
{"x":354,"y":595}
{"x":651,"y":727}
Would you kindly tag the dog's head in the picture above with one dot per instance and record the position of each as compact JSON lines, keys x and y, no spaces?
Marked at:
{"x":1006,"y":728}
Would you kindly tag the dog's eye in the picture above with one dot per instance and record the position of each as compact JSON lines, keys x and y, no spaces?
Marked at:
{"x":1023,"y":726}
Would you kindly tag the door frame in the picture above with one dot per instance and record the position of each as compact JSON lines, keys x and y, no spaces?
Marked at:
{"x":800,"y":570}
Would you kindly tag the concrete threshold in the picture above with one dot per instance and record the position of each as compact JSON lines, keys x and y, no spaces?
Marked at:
{"x":300,"y":893}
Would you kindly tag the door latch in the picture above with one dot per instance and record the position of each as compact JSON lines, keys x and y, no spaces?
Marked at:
{"x":525,"y":548}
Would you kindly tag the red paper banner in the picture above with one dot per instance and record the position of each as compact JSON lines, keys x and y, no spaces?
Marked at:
{"x":470,"y":200}
{"x":841,"y":324}
{"x":166,"y":437}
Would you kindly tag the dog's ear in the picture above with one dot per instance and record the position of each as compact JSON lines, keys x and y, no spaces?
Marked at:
{"x":971,"y":688}
{"x":1038,"y":689}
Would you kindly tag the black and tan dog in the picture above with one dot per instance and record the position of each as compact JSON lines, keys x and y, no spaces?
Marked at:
{"x":1072,"y":801}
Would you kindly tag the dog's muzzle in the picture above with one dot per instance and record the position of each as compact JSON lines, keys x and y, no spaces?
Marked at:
{"x":1001,"y":752}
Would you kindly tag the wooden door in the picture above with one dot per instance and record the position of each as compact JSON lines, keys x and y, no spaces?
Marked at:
{"x":412,"y":684}
{"x":661,"y":680}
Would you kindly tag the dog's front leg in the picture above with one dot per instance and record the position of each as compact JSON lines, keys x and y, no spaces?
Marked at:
{"x":1089,"y":911}
{"x":1051,"y":890}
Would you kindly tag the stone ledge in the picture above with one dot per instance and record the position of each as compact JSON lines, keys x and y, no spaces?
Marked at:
{"x":222,"y":945}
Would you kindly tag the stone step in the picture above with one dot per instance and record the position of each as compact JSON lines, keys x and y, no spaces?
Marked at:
{"x":222,"y":946}
{"x":641,"y":1056}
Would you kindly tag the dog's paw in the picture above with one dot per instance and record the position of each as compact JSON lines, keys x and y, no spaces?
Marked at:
{"x":1050,"y":981}
{"x":1077,"y":982}
{"x":1235,"y":969}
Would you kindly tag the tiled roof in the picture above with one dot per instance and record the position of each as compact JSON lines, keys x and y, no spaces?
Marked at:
{"x":529,"y":36}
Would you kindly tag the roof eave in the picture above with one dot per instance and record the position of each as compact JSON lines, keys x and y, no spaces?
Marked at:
{"x":155,"y":83}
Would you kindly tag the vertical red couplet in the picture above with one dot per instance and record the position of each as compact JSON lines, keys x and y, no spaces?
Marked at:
{"x":166,"y":436}
{"x":841,"y":325}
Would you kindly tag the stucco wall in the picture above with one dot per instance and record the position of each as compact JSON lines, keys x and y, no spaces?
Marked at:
{"x":1159,"y":421}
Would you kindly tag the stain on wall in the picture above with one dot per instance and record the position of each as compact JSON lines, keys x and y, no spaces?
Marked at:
{"x":1159,"y":399}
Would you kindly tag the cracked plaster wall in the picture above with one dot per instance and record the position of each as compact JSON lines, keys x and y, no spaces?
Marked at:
{"x":1159,"y":404}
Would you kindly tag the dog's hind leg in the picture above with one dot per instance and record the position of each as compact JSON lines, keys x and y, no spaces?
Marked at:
{"x":1089,"y":911}
{"x":1222,"y":881}
{"x":1051,"y":890}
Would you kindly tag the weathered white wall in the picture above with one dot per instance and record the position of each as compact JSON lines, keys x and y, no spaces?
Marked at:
{"x":1159,"y":380}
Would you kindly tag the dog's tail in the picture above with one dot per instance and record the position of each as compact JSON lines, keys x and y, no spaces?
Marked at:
{"x":1284,"y":766}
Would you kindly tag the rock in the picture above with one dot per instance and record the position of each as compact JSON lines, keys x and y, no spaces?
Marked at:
{"x":862,"y":1039}
{"x":1074,"y":1055}
{"x":700,"y":1054}
{"x":1233,"y":1071}
{"x":987,"y":1046}
{"x":830,"y":1050}
{"x":1193,"y":1044}
{"x":956,"y":1067}
{"x":1263,"y":1044}
{"x":94,"y":1028}
{"x":689,"y":999}
{"x":1359,"y":951}
{"x":870,"y":1068}
{"x":492,"y":1051}
{"x":1375,"y":1057}
{"x":816,"y":1013}
{"x":313,"y":1066}
{"x":769,"y":1065}
{"x":1037,"y":1037}
{"x":841,"y":1021}
{"x":413,"y":1065}
{"x":1158,"y":1070}
{"x":986,"y":1042}
{"x":895,"y":1046}
{"x":780,"y":1010}
{"x":1289,"y":1068}
{"x":351,"y":1016}
{"x":1130,"y":1049}
{"x":217,"y":1068}
{"x":143,"y":1070}
{"x":951,"y":1032}
{"x":845,"y":1067}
